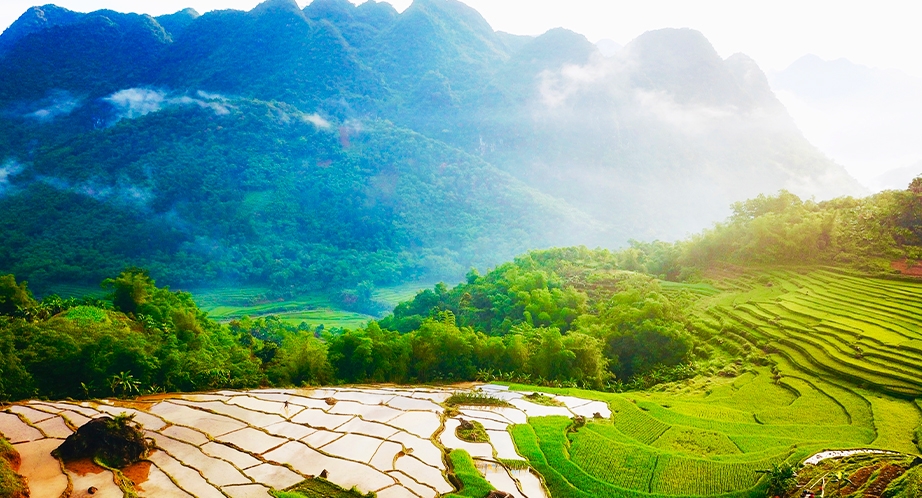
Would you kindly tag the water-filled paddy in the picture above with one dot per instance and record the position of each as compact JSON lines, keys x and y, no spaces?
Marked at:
{"x":240,"y":444}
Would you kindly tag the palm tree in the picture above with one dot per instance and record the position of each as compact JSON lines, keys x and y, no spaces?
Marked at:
{"x":124,"y":383}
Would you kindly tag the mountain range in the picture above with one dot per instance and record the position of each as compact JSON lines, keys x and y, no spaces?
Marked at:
{"x":867,"y":118}
{"x":336,"y":144}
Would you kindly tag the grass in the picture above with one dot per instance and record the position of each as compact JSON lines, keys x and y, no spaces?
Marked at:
{"x":471,"y":398}
{"x":473,"y":485}
{"x":896,"y":421}
{"x":11,"y":483}
{"x":319,"y":488}
{"x":514,"y":464}
{"x":475,"y":434}
{"x":87,"y":314}
{"x":74,"y":290}
{"x":317,"y":308}
{"x":675,"y":443}
{"x":851,"y":338}
{"x":541,"y":399}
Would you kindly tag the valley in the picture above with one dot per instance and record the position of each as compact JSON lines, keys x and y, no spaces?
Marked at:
{"x":341,"y":250}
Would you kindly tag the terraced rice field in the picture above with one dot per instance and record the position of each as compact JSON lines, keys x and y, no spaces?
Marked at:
{"x":864,"y":331}
{"x":707,"y":437}
{"x":390,"y":441}
{"x":847,"y":355}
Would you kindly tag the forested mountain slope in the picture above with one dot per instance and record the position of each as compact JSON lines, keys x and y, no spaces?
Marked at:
{"x":370,"y":141}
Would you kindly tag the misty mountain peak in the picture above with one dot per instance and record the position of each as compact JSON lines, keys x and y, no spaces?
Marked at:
{"x":559,"y":46}
{"x":683,"y":63}
{"x":335,"y":11}
{"x":752,"y":79}
{"x":277,"y":6}
{"x":176,"y":23}
{"x":608,"y":47}
{"x":454,"y":12}
{"x":377,"y":14}
{"x":34,"y":20}
{"x":445,"y":36}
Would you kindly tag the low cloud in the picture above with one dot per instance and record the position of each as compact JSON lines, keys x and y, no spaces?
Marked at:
{"x":136,"y":102}
{"x":124,"y":192}
{"x":133,"y":103}
{"x":59,"y":103}
{"x":286,"y":116}
{"x":8,"y":169}
{"x":556,"y":87}
{"x":691,"y":119}
{"x":316,"y":119}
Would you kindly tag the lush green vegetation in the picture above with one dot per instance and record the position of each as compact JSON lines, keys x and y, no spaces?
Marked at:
{"x":472,"y":484}
{"x":319,"y":488}
{"x":302,"y":211}
{"x":141,"y":338}
{"x":144,"y":339}
{"x":11,"y":483}
{"x":472,"y":431}
{"x":314,"y":308}
{"x":869,"y":234}
{"x":466,"y":398}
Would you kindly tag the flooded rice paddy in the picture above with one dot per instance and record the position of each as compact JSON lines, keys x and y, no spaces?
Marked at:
{"x":392,"y":441}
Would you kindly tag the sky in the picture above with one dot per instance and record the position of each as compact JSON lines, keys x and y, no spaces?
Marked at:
{"x":882,"y":34}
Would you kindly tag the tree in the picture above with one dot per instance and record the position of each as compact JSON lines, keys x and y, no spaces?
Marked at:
{"x":13,"y":296}
{"x":132,"y":289}
{"x":781,"y":478}
{"x":124,"y":384}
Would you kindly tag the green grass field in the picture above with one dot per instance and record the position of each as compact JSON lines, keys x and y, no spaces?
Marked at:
{"x":224,"y":304}
{"x":845,"y":366}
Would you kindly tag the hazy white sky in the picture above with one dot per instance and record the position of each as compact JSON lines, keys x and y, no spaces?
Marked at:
{"x":775,"y":33}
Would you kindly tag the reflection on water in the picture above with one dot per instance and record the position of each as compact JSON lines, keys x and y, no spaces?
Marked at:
{"x":520,"y":483}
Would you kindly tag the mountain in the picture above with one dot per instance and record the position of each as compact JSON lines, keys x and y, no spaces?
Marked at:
{"x":655,"y":141}
{"x":98,"y":53}
{"x":325,"y":146}
{"x":176,"y":23}
{"x":865,"y":118}
{"x":35,"y":20}
{"x":897,"y":178}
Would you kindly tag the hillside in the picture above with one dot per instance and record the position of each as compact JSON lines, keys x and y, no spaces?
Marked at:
{"x":694,"y":369}
{"x":195,"y":190}
{"x":165,"y":138}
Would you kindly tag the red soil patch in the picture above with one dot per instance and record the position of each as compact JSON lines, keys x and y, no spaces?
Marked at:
{"x":83,"y":467}
{"x":886,"y":476}
{"x":904,"y":267}
{"x":137,"y":472}
{"x":858,"y":479}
